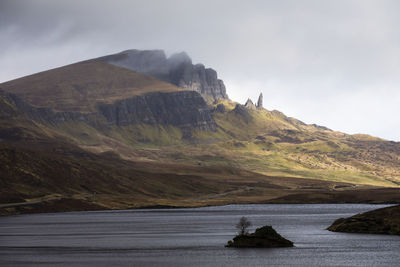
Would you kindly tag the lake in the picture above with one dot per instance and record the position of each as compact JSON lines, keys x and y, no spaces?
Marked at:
{"x":190,"y":237}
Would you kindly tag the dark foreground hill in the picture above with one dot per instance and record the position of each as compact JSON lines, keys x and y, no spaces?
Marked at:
{"x":380,"y":221}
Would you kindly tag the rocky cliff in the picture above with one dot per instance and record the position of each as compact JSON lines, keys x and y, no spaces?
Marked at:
{"x":15,"y":106}
{"x":178,"y":69}
{"x":99,"y":94}
{"x":186,"y":110}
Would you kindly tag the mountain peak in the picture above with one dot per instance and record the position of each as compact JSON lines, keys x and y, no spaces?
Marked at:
{"x":177,"y":69}
{"x":79,"y":87}
{"x":179,"y":58}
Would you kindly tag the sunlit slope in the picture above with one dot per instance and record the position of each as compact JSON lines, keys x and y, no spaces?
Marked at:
{"x":262,"y":141}
{"x":40,"y":164}
{"x":271,"y":143}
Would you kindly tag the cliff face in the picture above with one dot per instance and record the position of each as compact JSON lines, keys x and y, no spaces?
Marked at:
{"x":195,"y":77}
{"x":177,"y":69}
{"x":186,"y":110}
{"x":100,"y":94}
{"x":42,"y":115}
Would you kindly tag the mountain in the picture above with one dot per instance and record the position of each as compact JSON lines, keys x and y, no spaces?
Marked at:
{"x":101,"y":95}
{"x":96,"y":135}
{"x":80,"y":87}
{"x":176,"y":69}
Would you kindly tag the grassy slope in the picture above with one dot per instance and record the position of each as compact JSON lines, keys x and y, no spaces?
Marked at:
{"x":263,"y":141}
{"x":40,"y":163}
{"x":267,"y":142}
{"x":73,"y":175}
{"x":78,"y":87}
{"x":275,"y":144}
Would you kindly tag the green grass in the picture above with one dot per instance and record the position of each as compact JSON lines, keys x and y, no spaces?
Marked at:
{"x":263,"y":141}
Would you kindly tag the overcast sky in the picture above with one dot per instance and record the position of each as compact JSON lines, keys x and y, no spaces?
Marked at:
{"x":334,"y":63}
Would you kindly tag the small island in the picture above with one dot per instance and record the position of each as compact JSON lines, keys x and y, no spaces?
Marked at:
{"x":263,"y":237}
{"x":380,"y":221}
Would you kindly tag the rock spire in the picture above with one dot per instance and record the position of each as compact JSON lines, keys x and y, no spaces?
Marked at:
{"x":249,"y":104}
{"x":260,"y":101}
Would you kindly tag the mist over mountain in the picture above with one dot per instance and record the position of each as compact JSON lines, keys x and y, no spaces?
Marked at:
{"x":176,"y":69}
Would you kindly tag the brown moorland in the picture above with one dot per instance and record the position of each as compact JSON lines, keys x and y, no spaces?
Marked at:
{"x":79,"y":87}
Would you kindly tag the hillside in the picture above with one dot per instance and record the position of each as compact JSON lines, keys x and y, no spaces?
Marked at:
{"x":380,"y":221}
{"x":79,"y":87}
{"x":139,"y":141}
{"x":271,"y":143}
{"x":57,"y":177}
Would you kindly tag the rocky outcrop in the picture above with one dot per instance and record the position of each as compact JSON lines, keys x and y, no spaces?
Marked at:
{"x":37,"y":114}
{"x":220,"y":108}
{"x":195,"y":77}
{"x":178,"y":69}
{"x":243,"y":113}
{"x":186,"y":110}
{"x":264,"y":237}
{"x":260,"y":102}
{"x":249,"y":104}
{"x":380,"y":221}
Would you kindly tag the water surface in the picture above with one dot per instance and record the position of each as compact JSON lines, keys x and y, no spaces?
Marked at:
{"x":190,"y":237}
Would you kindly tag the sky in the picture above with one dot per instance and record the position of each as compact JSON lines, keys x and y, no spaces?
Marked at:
{"x":333,"y":63}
